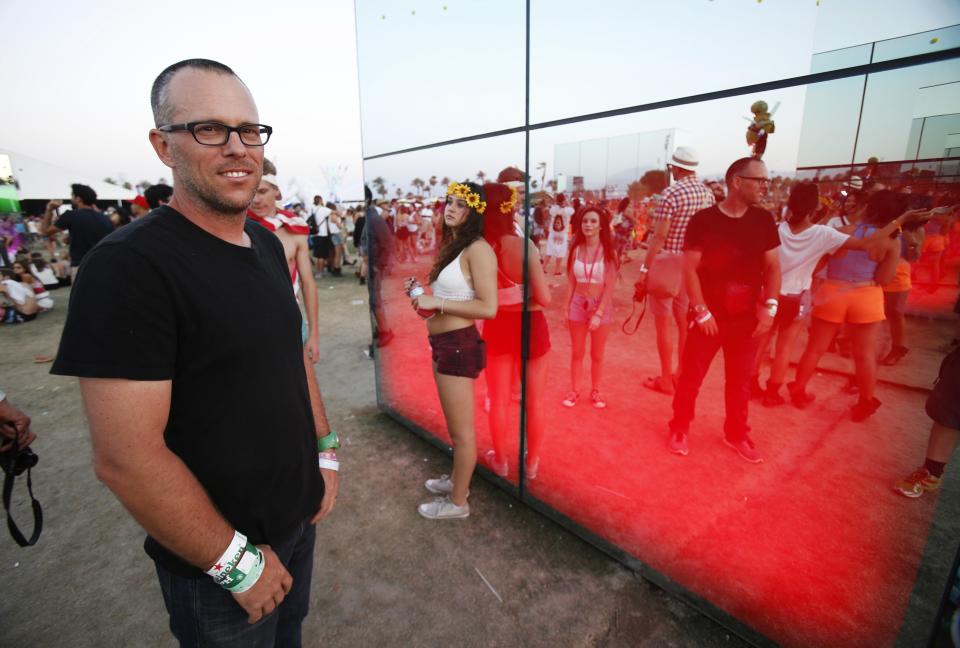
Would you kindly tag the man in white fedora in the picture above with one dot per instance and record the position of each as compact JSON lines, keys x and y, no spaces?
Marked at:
{"x":662,"y":269}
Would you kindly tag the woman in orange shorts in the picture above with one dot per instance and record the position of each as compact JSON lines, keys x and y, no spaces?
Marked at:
{"x":852,"y":295}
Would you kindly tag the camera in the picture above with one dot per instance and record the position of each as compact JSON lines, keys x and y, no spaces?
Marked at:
{"x":15,"y":461}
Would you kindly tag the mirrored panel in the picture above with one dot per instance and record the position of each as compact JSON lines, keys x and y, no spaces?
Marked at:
{"x":928,"y":41}
{"x":410,"y":192}
{"x":431,"y":72}
{"x":779,"y":513}
{"x":908,"y":114}
{"x":619,"y":53}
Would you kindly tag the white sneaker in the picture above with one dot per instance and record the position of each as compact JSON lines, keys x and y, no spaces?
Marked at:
{"x":442,"y":508}
{"x":443,"y":485}
{"x":502,"y":469}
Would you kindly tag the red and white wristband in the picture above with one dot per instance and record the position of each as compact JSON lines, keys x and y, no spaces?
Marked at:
{"x":328,"y":460}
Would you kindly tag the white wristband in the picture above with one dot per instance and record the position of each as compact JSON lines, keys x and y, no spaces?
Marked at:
{"x":704,"y":318}
{"x":229,"y":557}
{"x":329,"y":464}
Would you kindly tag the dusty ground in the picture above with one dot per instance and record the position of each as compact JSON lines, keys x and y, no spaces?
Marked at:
{"x":383,"y":577}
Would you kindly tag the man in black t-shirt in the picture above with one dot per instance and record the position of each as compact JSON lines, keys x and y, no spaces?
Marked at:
{"x":85,"y":223}
{"x":188,"y":314}
{"x":732,"y":272}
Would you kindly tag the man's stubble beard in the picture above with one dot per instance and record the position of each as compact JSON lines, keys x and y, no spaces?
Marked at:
{"x":209,"y":198}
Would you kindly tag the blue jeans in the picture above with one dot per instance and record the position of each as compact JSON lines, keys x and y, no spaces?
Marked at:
{"x":204,"y":614}
{"x":739,"y":354}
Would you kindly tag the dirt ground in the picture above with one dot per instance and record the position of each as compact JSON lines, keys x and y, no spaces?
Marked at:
{"x":383,"y":576}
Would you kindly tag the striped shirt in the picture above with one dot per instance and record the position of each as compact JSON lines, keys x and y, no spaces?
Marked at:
{"x":677,"y":204}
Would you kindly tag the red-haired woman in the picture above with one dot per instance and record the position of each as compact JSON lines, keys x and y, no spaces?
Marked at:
{"x":464,"y":286}
{"x":502,"y":333}
{"x":592,"y":272}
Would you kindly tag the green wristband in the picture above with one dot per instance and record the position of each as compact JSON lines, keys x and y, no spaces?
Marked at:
{"x":329,"y":442}
{"x":248,"y":567}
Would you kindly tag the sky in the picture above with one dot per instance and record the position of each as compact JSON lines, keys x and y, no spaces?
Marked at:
{"x":79,"y":75}
{"x":81,"y":72}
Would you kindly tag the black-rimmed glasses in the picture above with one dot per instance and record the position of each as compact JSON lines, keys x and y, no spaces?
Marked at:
{"x":211,"y":133}
{"x":759,"y":179}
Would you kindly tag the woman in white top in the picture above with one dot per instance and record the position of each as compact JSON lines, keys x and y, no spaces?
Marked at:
{"x":560,"y":215}
{"x":34,"y":285}
{"x":802,"y":246}
{"x":464,"y":285}
{"x":592,"y":272}
{"x":21,"y":305}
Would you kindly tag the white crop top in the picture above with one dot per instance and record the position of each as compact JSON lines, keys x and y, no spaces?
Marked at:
{"x":581,"y":269}
{"x":451,"y":284}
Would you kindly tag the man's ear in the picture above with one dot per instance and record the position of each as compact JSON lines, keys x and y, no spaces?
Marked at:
{"x":162,"y":147}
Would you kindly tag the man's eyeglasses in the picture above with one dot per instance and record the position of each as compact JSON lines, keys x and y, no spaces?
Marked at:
{"x":760,"y":179}
{"x":211,"y":133}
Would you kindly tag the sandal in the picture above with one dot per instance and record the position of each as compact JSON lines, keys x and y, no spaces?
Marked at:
{"x":655,"y":383}
{"x":896,"y":355}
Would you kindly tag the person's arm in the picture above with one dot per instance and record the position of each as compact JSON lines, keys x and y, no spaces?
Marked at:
{"x":703,"y":317}
{"x":482,"y":263}
{"x":887,"y":268}
{"x":308,"y":286}
{"x":771,"y":291}
{"x":658,"y":238}
{"x":606,"y":297}
{"x":879,"y":236}
{"x":538,"y":286}
{"x":46,"y":226}
{"x":155,"y":486}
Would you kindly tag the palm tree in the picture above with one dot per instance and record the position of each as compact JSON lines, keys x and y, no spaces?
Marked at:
{"x":433,"y":183}
{"x":481,"y":176}
{"x":542,"y":167}
{"x":445,"y":182}
{"x":399,"y":192}
{"x":418,"y":184}
{"x":380,"y":185}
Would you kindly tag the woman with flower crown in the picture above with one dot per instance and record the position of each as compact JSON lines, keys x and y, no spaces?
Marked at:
{"x":464,"y":289}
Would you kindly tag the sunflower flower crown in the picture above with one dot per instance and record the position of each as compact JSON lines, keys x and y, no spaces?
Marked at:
{"x":463,"y":191}
{"x":507,"y":207}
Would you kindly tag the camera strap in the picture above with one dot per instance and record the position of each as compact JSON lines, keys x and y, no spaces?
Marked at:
{"x":8,"y":480}
{"x":633,"y":309}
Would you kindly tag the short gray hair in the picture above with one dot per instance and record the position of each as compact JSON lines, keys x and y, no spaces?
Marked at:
{"x":159,"y":95}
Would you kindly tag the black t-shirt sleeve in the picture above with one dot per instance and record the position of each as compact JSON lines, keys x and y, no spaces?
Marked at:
{"x":771,"y":235}
{"x":65,"y":222}
{"x":121,"y":322}
{"x":693,"y":238}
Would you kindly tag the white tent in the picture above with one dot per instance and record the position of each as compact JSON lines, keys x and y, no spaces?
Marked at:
{"x":39,"y":180}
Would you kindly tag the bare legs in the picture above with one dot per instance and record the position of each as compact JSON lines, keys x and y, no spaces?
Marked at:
{"x":664,"y":324}
{"x":500,"y":376}
{"x":456,"y":400}
{"x":821,"y":333}
{"x":781,"y":361}
{"x":865,"y":357}
{"x":578,"y":341}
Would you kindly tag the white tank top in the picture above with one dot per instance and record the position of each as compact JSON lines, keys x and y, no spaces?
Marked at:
{"x":451,"y":284}
{"x":590,"y":272}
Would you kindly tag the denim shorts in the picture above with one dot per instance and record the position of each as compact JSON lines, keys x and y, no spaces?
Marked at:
{"x":459,"y":353}
{"x":582,"y":308}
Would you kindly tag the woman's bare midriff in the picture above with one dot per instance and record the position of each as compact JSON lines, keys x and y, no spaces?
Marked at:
{"x":445,"y":323}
